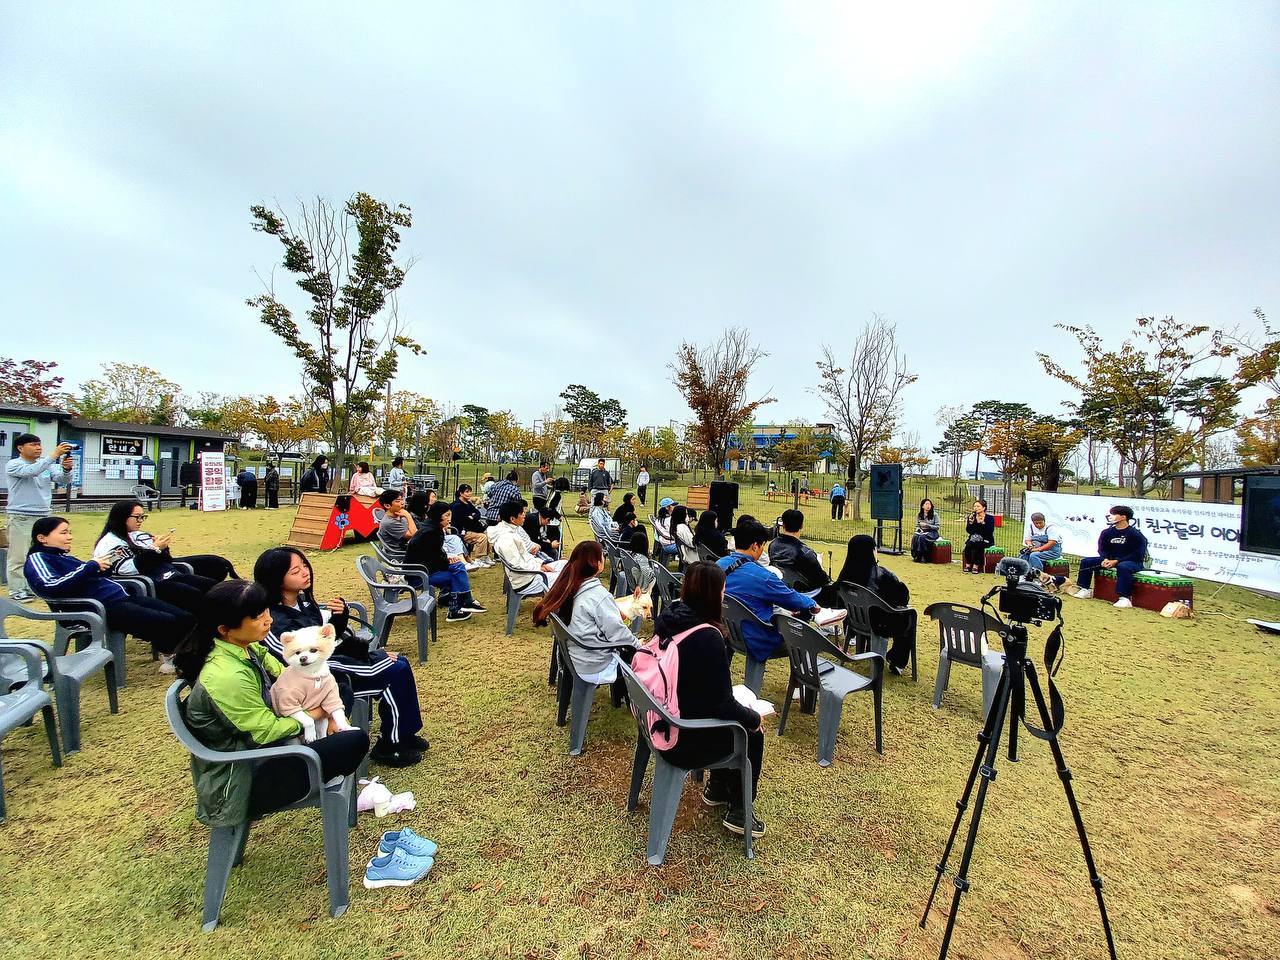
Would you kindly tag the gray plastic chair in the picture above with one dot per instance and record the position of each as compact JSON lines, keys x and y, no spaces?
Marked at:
{"x":705,"y":555}
{"x":514,"y":598}
{"x":667,"y":586}
{"x":808,"y":649}
{"x":573,"y":692}
{"x":668,"y":779}
{"x":392,"y":600}
{"x":871,"y":622}
{"x":20,"y":704}
{"x":73,"y":619}
{"x":962,"y":638}
{"x":336,"y":801}
{"x":68,"y":671}
{"x":735,"y":615}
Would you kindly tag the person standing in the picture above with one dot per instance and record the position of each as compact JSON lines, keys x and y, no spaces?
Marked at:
{"x":316,"y":479}
{"x":642,"y":483}
{"x":541,"y":486}
{"x":272,"y":484}
{"x":32,"y":477}
{"x":599,"y":480}
{"x":248,"y":481}
{"x":838,"y":494}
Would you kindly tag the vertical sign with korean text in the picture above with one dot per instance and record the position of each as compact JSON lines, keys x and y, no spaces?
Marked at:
{"x":213,"y":480}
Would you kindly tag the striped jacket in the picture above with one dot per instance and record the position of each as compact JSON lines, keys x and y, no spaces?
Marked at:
{"x":54,"y":573}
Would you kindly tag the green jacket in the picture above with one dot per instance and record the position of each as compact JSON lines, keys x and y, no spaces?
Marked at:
{"x":229,"y":709}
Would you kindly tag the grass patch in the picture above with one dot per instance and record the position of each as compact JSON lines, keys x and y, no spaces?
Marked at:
{"x":1171,"y":733}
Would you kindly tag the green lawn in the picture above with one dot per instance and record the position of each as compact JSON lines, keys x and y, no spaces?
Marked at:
{"x":1171,"y":732}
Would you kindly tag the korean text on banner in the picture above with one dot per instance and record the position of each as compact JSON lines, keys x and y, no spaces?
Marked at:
{"x":1198,"y":539}
{"x":213,"y":480}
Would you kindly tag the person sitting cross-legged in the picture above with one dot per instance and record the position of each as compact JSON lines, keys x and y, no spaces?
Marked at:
{"x":471,"y":526}
{"x":927,"y":527}
{"x":787,"y":550}
{"x":759,"y":590}
{"x":449,"y":572}
{"x":529,"y":573}
{"x":1121,"y":547}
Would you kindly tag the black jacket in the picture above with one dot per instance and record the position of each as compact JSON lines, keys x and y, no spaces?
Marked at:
{"x":467,"y":517}
{"x":714,"y":541}
{"x":537,"y":533}
{"x":427,"y":548}
{"x":986,"y":529}
{"x":787,"y":551}
{"x":704,"y":688}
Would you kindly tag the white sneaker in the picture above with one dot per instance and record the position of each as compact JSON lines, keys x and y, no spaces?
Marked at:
{"x":1083,"y":594}
{"x":1123,"y":603}
{"x":471,"y":566}
{"x":166,"y":664}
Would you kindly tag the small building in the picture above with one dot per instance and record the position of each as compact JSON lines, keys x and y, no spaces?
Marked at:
{"x":113,"y":457}
{"x":766,"y":435}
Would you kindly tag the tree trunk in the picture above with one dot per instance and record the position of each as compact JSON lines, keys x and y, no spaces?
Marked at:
{"x":1090,"y":455}
{"x":1052,"y":473}
{"x":855,"y":476}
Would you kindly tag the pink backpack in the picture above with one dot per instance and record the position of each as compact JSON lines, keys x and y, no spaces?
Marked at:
{"x":656,"y":665}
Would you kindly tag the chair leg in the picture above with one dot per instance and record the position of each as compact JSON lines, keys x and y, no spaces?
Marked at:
{"x":113,"y":699}
{"x":943,"y":678}
{"x":877,"y":694}
{"x":115,"y":643}
{"x":638,"y":764}
{"x":513,"y":611}
{"x":553,"y":670}
{"x":337,"y":854}
{"x":223,"y":843}
{"x":830,"y":710}
{"x":583,"y":695}
{"x":424,"y":631}
{"x":240,"y":845}
{"x":786,"y":707}
{"x":755,"y":674}
{"x":51,"y":731}
{"x":914,"y":675}
{"x":564,"y":688}
{"x":67,"y":696}
{"x":668,"y":784}
{"x":990,"y":680}
{"x":2,"y":813}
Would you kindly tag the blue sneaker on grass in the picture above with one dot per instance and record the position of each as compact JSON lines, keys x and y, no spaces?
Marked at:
{"x":408,"y":841}
{"x":396,"y":869}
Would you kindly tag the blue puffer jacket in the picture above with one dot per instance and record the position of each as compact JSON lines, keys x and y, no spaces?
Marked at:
{"x":760,"y":591}
{"x":55,"y":573}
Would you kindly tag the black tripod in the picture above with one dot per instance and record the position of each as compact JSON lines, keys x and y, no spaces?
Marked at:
{"x":1009,"y":701}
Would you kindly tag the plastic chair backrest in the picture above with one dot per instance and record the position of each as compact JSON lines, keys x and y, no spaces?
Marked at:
{"x":805,"y":644}
{"x":643,"y":703}
{"x":668,"y":583}
{"x":705,"y":555}
{"x":178,"y":723}
{"x":735,"y":615}
{"x":560,"y":633}
{"x":869,"y":616}
{"x":962,"y":631}
{"x":794,"y":580}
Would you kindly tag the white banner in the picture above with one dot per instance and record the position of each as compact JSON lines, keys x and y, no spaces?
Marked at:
{"x":1185,"y":536}
{"x":213,"y":480}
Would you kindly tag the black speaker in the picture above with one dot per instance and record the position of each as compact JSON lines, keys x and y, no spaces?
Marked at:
{"x":886,"y":491}
{"x":1260,"y":515}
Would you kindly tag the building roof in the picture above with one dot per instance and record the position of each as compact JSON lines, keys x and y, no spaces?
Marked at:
{"x":30,"y":408}
{"x":147,"y":429}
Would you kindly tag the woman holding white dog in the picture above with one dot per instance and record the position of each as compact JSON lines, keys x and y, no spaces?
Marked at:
{"x":286,"y":576}
{"x":230,"y":670}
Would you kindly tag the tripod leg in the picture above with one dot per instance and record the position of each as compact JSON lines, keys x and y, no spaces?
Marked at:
{"x":1064,"y":774}
{"x":988,"y":771}
{"x":990,"y":729}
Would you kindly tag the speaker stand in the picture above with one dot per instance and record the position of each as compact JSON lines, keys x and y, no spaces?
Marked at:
{"x":896,"y":549}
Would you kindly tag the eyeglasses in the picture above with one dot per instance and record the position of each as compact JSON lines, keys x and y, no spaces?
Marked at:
{"x":138,"y":516}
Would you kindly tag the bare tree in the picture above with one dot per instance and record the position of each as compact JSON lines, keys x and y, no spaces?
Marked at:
{"x":713,"y":381}
{"x":863,"y":396}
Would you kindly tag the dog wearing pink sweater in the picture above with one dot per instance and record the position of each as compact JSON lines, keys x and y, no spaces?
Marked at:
{"x":306,"y":689}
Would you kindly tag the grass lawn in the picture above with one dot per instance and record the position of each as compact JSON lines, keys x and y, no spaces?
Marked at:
{"x":1171,"y":732}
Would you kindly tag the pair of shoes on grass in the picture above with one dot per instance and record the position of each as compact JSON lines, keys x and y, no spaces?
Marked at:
{"x":403,"y":859}
{"x":404,"y":754}
{"x":715,"y":794}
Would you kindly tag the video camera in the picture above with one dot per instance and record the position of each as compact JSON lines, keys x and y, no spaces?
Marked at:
{"x":1023,"y":600}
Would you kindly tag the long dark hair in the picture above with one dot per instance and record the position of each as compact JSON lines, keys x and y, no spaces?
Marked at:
{"x":227,"y":604}
{"x":42,"y":528}
{"x":270,"y":570}
{"x":584,"y":564}
{"x":859,"y":561}
{"x":118,"y":519}
{"x":922,"y":515}
{"x":702,"y":591}
{"x":706,"y":526}
{"x":639,"y":542}
{"x":417,"y":504}
{"x":679,"y":515}
{"x":319,"y":462}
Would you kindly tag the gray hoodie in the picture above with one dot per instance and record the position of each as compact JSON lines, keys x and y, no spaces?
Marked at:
{"x":31,"y":485}
{"x":595,"y":620}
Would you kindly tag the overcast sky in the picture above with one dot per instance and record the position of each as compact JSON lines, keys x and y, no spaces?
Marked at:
{"x":590,"y":185}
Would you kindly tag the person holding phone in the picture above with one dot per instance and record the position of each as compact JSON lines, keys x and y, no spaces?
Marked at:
{"x":980,"y":529}
{"x":32,"y":477}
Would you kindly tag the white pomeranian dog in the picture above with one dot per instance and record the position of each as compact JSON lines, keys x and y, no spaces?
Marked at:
{"x":306,"y":689}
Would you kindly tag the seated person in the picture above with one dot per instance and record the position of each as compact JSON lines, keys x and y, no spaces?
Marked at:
{"x":536,"y":524}
{"x":759,"y":590}
{"x":362,"y":481}
{"x":666,"y":522}
{"x":54,"y":574}
{"x":627,"y":525}
{"x":601,"y":523}
{"x":627,"y":506}
{"x":787,"y":550}
{"x":1121,"y":547}
{"x":705,"y":691}
{"x":1043,"y":543}
{"x":708,"y":534}
{"x":134,"y":553}
{"x":682,"y":531}
{"x":589,"y":612}
{"x":862,"y":568}
{"x":471,"y":526}
{"x":980,"y":533}
{"x":285,"y":574}
{"x":446,"y":571}
{"x":504,"y":491}
{"x":396,"y":526}
{"x":229,"y":708}
{"x":530,"y":574}
{"x":927,"y":527}
{"x":584,"y":504}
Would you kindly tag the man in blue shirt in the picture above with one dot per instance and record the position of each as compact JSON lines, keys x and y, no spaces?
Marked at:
{"x":838,"y":495}
{"x":31,"y":478}
{"x":1121,"y":547}
{"x":759,"y":590}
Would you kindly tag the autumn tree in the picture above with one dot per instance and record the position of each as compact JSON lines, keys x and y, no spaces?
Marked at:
{"x":1156,"y":397}
{"x":31,"y":382}
{"x":130,"y":393}
{"x":590,"y":416}
{"x":714,"y":381}
{"x":798,"y":453}
{"x":907,"y":451}
{"x":282,"y":426}
{"x":1258,"y":436}
{"x":863,"y":395}
{"x":1045,"y":443}
{"x":959,"y":436}
{"x":344,"y":263}
{"x":405,"y":420}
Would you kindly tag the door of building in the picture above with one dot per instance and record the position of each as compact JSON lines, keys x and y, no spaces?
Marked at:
{"x":172,"y":456}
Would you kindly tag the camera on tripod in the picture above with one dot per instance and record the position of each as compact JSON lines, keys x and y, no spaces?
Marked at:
{"x":1021,"y":599}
